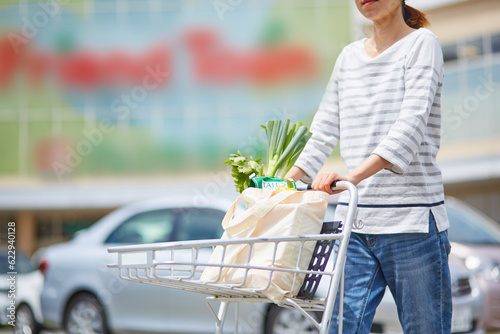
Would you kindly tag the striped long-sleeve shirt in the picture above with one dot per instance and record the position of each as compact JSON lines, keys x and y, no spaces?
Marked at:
{"x":388,"y":105}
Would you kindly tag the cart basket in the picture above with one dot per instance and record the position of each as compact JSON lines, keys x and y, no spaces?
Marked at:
{"x":179,"y":265}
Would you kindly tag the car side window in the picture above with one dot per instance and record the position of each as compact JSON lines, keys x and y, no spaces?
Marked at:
{"x":144,"y":228}
{"x":466,"y":229}
{"x":199,"y":223}
{"x":23,"y":264}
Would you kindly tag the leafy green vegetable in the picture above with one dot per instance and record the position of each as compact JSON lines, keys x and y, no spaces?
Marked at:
{"x":242,"y":168}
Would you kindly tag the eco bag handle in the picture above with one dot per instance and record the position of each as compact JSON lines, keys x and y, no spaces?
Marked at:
{"x":250,"y":217}
{"x":232,"y":209}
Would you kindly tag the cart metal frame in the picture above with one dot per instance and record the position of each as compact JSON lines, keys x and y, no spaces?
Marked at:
{"x":162,"y":264}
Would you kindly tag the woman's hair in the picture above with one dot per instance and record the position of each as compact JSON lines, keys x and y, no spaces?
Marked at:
{"x":413,"y":17}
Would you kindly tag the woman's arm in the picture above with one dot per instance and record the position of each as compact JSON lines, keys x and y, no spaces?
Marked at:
{"x":370,"y":166}
{"x":295,"y":173}
{"x":325,"y":130}
{"x":423,"y":79}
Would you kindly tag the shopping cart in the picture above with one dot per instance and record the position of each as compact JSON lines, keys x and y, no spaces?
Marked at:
{"x":179,"y":265}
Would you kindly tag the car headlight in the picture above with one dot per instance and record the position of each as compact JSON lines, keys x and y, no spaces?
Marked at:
{"x":486,"y":268}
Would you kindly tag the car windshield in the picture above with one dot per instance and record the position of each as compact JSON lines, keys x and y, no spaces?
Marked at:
{"x":145,"y":227}
{"x":4,"y":265}
{"x":22,"y":264}
{"x":468,"y":227}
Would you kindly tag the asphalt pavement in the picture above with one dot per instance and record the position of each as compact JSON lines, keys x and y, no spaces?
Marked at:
{"x":7,"y":331}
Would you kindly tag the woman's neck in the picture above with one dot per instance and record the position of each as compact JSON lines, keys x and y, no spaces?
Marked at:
{"x":386,"y":32}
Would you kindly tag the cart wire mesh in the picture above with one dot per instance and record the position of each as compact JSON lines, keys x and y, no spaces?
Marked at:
{"x":179,"y":265}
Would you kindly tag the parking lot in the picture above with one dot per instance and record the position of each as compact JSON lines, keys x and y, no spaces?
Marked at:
{"x":7,"y":331}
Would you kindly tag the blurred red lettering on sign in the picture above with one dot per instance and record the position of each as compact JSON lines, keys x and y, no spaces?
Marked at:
{"x":83,"y":69}
{"x":212,"y":61}
{"x":215,"y":62}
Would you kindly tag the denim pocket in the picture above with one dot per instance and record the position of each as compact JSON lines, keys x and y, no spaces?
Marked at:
{"x":443,"y":238}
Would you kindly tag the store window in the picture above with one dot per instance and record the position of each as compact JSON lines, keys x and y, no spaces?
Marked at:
{"x":59,"y":228}
{"x":450,"y":52}
{"x":495,"y":43}
{"x":5,"y":218}
{"x":472,"y":48}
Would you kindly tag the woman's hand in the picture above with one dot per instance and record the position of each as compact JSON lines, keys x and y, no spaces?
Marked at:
{"x":324,"y":181}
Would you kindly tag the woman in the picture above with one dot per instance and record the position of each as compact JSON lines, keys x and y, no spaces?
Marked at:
{"x":383,"y":104}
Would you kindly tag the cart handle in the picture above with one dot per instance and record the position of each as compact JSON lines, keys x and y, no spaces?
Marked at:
{"x":333,"y":186}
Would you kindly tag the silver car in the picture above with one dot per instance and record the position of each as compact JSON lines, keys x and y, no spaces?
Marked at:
{"x":82,"y":295}
{"x":20,"y":293}
{"x":468,"y":315}
{"x":476,"y":242}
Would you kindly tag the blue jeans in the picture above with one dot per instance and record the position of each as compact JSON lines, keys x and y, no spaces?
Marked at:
{"x":413,"y":265}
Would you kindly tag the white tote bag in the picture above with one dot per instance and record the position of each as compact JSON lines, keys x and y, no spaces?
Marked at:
{"x":269,"y":214}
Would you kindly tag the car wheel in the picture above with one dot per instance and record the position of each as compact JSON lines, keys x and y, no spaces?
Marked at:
{"x":25,"y":321}
{"x":280,"y":320}
{"x":85,"y":315}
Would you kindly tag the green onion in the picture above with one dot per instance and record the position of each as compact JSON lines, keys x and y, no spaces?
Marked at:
{"x":284,"y":145}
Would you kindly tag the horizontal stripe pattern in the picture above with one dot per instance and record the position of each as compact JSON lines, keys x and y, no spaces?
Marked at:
{"x":392,"y":206}
{"x":390,"y":106}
